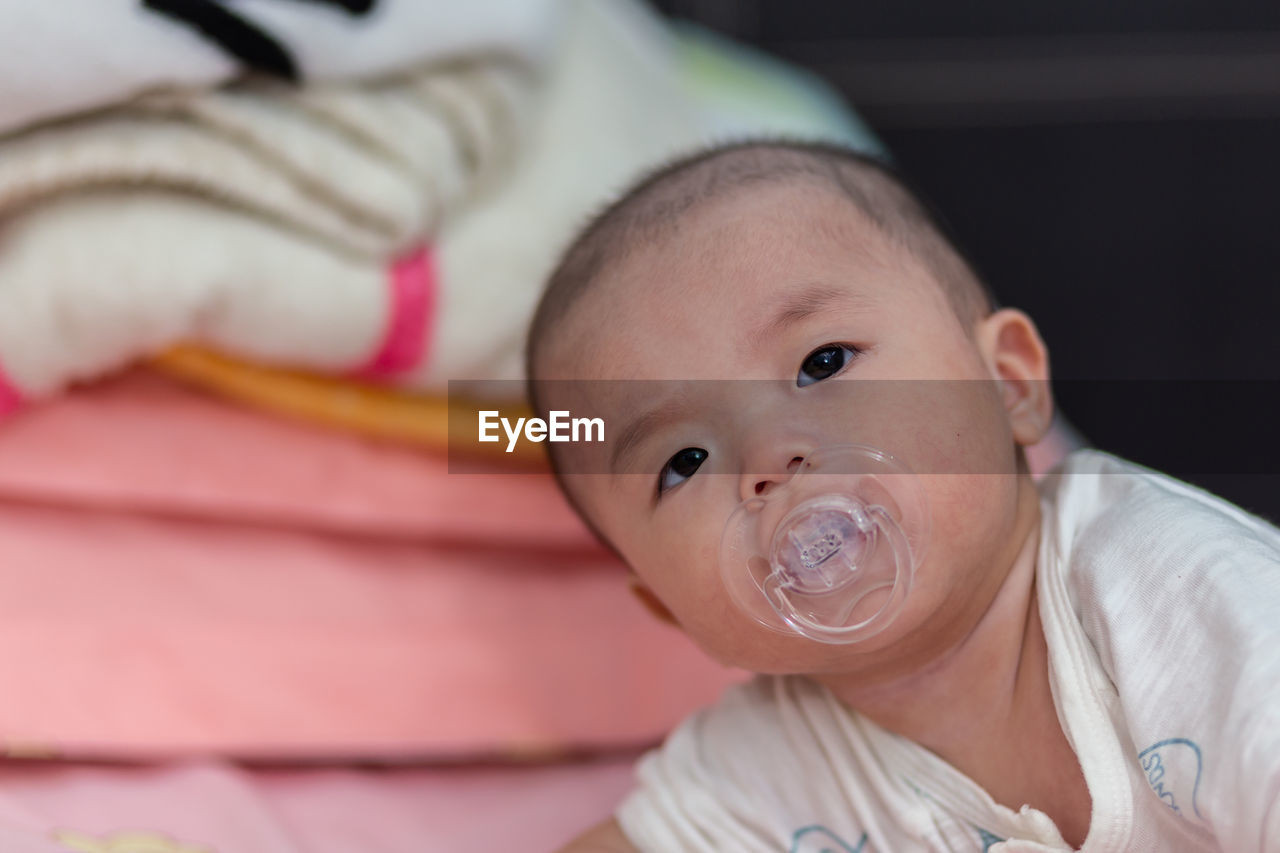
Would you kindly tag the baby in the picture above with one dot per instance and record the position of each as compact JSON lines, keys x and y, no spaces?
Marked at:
{"x":951,"y":658}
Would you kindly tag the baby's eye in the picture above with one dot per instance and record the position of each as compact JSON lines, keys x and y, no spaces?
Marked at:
{"x":680,"y":467}
{"x":823,"y":363}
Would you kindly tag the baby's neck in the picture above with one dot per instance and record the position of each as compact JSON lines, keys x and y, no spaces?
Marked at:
{"x":963,"y":690}
{"x":985,"y":705}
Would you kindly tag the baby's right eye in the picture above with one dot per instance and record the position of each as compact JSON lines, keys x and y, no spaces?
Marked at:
{"x":680,"y":467}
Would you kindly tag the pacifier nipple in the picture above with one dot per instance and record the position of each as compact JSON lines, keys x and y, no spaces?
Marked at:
{"x":830,"y":554}
{"x":818,"y":550}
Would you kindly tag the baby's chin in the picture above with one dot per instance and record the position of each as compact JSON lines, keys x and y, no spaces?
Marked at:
{"x":768,"y":651}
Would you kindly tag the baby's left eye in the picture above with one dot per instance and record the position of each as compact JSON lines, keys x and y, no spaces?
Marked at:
{"x":680,"y":467}
{"x":824,"y":362}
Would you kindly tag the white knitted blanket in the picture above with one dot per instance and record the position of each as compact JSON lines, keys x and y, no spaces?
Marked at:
{"x":404,"y":223}
{"x":260,"y":218}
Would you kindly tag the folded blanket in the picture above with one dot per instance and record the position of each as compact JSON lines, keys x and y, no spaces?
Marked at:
{"x":216,"y":807}
{"x":352,"y":227}
{"x":179,"y":575}
{"x":266,"y":221}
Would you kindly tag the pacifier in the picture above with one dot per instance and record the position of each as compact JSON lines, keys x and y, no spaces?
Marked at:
{"x":831,"y":553}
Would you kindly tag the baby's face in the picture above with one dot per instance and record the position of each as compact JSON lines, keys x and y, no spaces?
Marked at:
{"x":791,"y":288}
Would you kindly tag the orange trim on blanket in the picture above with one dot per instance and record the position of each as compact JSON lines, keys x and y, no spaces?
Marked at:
{"x":357,"y":407}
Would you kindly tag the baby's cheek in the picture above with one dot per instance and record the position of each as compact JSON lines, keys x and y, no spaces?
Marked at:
{"x":666,"y":561}
{"x":697,"y":577}
{"x":970,"y":510}
{"x":685,"y":573}
{"x":969,"y":431}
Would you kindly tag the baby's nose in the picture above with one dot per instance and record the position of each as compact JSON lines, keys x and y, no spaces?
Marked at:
{"x":760,"y":483}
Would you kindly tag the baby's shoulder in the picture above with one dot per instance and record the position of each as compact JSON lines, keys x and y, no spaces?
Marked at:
{"x":1107,"y":519}
{"x":1156,"y":572}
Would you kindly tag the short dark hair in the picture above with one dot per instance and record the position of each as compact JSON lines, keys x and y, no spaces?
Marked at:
{"x":653,"y":207}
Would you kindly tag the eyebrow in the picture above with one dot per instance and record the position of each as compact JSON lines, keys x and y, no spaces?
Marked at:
{"x":796,"y":307}
{"x":636,"y":431}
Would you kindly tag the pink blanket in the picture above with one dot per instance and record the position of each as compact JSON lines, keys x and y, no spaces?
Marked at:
{"x":178,"y":576}
{"x":210,"y":807}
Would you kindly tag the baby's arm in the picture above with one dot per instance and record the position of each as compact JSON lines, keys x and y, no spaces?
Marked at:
{"x":605,"y":838}
{"x":1179,"y":594}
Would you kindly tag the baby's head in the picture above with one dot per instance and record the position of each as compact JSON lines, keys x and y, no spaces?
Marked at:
{"x":817,"y":274}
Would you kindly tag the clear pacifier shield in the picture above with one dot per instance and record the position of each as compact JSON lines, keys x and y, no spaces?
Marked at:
{"x":831,"y":553}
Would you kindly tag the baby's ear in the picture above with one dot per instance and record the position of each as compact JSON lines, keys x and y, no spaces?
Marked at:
{"x":650,"y":601}
{"x":1017,"y":358}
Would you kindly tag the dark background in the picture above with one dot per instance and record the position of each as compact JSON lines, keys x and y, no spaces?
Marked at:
{"x":1113,"y":168}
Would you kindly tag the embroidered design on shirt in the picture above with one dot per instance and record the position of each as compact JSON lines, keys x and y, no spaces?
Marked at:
{"x":819,"y":839}
{"x":1173,"y":768}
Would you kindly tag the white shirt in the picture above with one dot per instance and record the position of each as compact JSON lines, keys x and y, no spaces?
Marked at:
{"x":1161,"y":611}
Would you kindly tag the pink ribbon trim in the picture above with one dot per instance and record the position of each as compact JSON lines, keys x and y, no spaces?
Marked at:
{"x":10,"y":397}
{"x":412,"y":280}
